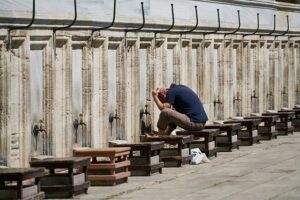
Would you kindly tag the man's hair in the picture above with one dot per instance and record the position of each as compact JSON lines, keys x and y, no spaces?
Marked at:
{"x":161,"y":97}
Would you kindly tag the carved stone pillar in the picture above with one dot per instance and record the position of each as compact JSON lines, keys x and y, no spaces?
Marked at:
{"x":146,"y":85}
{"x":62,"y":100}
{"x":284,"y":74}
{"x":256,"y":77}
{"x":297,"y":72}
{"x":291,"y":81}
{"x":159,"y":46}
{"x":264,"y":64}
{"x":132,"y":63}
{"x":236,"y":78}
{"x":3,"y":103}
{"x":186,"y":75}
{"x":99,"y":118}
{"x":18,"y":101}
{"x":218,"y":79}
{"x":197,"y":69}
{"x":244,"y":73}
{"x":270,"y":65}
{"x":208,"y":98}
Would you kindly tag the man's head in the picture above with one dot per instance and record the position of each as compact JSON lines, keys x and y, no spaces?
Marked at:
{"x":162,"y":93}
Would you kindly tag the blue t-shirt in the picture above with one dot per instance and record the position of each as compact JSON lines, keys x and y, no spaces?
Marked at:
{"x":186,"y":101}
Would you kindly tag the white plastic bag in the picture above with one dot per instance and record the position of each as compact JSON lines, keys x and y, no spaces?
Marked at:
{"x":197,"y":156}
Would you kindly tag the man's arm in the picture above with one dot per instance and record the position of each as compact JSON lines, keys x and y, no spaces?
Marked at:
{"x":157,"y":101}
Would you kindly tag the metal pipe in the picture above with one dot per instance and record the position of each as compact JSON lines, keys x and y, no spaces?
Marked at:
{"x":31,"y":22}
{"x":173,"y":21}
{"x":274,"y":27}
{"x":288,"y":27}
{"x":64,"y":27}
{"x":238,"y":28}
{"x":217,"y":101}
{"x":110,"y":25}
{"x":73,"y":22}
{"x":21,"y":27}
{"x":135,"y":29}
{"x":219,"y":25}
{"x":195,"y":27}
{"x":257,"y":29}
{"x":163,"y":31}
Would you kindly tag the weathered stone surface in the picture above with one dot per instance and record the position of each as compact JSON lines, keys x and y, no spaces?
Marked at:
{"x":52,"y":82}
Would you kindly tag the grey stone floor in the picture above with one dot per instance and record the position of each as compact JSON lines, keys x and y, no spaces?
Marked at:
{"x":270,"y":170}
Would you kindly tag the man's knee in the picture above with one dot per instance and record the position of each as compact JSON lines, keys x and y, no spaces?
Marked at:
{"x":165,"y":112}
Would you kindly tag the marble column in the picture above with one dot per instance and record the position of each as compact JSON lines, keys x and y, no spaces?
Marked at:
{"x":297,"y":72}
{"x":99,"y":114}
{"x":132,"y":60}
{"x":62,"y":125}
{"x":291,"y":81}
{"x":3,"y":104}
{"x":243,"y":75}
{"x":208,"y":98}
{"x":18,"y":107}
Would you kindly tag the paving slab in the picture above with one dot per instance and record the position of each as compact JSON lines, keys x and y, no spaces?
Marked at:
{"x":269,"y":170}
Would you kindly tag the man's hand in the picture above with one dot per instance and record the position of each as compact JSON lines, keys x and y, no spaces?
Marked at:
{"x":160,"y":91}
{"x":155,"y":92}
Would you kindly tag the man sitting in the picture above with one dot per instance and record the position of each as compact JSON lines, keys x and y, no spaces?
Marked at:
{"x":189,"y":113}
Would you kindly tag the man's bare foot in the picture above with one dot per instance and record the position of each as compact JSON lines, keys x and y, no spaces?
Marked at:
{"x":151,"y":134}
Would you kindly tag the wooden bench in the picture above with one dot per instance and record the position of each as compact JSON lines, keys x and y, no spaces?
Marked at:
{"x":284,"y":125}
{"x":249,"y":136}
{"x":208,"y":146}
{"x":267,"y":129}
{"x":13,"y":187}
{"x":228,"y":137}
{"x":67,"y":176}
{"x":144,"y":158}
{"x":176,"y":151}
{"x":296,"y":120}
{"x":109,"y":166}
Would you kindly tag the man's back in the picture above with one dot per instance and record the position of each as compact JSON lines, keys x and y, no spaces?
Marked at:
{"x":186,"y":101}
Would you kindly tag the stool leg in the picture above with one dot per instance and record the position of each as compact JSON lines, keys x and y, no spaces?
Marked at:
{"x":20,"y":189}
{"x":71,"y":182}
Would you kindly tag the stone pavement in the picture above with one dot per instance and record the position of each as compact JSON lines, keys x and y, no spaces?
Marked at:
{"x":270,"y":170}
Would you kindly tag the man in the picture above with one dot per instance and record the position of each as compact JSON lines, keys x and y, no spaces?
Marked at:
{"x":189,"y":113}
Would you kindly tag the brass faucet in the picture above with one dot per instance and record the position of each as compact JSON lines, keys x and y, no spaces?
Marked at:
{"x":236,"y":99}
{"x":218,"y":101}
{"x":78,"y":123}
{"x":113,"y":117}
{"x":254,"y":95}
{"x":284,"y":91}
{"x":37,"y":128}
{"x":145,"y":111}
{"x":270,"y":94}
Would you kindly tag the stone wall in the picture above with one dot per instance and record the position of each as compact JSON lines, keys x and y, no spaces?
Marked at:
{"x":104,"y":84}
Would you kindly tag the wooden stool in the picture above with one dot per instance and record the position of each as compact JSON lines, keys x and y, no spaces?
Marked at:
{"x":62,"y":184}
{"x":144,"y":158}
{"x":228,"y":137}
{"x":208,"y":146}
{"x":249,"y":136}
{"x":284,"y":125}
{"x":296,"y":120}
{"x":18,"y":189}
{"x":176,"y":151}
{"x":111,"y":168}
{"x":268,"y":130}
